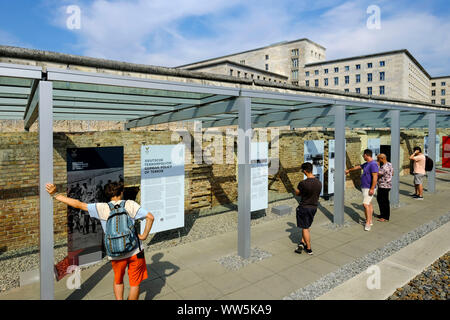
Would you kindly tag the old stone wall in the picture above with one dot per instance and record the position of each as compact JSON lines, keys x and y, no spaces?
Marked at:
{"x":208,"y":183}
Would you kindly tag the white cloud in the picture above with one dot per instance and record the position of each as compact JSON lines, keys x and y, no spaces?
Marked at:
{"x":151,"y":32}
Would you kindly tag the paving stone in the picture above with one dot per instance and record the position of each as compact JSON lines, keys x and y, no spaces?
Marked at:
{"x":248,"y":293}
{"x":200,"y":291}
{"x":182,"y":279}
{"x":228,"y":283}
{"x":276,"y":285}
{"x":254,"y":272}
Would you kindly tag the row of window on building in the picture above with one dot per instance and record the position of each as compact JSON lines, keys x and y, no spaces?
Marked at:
{"x":433,"y":84}
{"x":442,"y":101}
{"x":336,"y":69}
{"x":433,"y":92}
{"x":252,"y":76}
{"x":336,"y":79}
{"x":381,"y":90}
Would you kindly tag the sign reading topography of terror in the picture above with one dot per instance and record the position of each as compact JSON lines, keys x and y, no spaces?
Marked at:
{"x":162,"y":185}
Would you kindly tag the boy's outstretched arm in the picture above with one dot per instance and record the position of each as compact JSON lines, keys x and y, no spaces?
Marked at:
{"x":51,"y":189}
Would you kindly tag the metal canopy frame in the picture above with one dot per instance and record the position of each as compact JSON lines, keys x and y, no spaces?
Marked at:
{"x":29,"y":94}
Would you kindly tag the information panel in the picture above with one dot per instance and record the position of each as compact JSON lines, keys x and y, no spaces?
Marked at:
{"x":425,"y":143}
{"x":313,"y":153}
{"x":162,"y":185}
{"x":331,"y":167}
{"x":259,"y":175}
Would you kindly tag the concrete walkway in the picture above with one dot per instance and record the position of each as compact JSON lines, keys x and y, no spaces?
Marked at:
{"x":190,"y":271}
{"x":395,"y":271}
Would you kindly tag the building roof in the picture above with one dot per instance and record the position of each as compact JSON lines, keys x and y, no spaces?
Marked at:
{"x":269,"y":46}
{"x":379,"y":54}
{"x":216,"y":63}
{"x":440,"y":77}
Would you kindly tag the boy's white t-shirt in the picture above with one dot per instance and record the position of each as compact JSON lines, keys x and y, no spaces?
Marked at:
{"x":101,"y":211}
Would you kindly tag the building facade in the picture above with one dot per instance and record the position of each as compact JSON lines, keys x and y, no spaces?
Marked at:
{"x":393,"y":74}
{"x":440,"y":90}
{"x":286,"y":59}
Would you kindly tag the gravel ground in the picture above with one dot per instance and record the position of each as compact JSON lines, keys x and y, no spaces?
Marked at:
{"x":235,"y":262}
{"x":432,"y":284}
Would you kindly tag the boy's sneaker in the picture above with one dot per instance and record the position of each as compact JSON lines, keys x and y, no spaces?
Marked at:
{"x":299,"y":249}
{"x":308,"y":251}
{"x":418,"y":198}
{"x":415,"y":196}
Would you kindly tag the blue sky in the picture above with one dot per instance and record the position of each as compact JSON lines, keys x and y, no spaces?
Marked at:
{"x":175,"y":32}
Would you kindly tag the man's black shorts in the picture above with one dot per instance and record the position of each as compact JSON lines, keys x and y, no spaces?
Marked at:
{"x":305,"y":217}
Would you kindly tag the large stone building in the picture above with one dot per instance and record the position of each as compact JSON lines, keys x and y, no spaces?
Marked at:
{"x":394,"y":74}
{"x":287,"y":59}
{"x":440,"y":90}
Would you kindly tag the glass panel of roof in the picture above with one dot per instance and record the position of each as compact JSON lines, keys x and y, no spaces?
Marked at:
{"x":17,"y":82}
{"x":73,"y":86}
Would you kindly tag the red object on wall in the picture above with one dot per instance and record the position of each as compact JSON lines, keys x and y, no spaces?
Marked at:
{"x":446,"y":152}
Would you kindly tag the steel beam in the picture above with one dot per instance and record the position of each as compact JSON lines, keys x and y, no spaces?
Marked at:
{"x":395,"y":156}
{"x":110,"y":106}
{"x":31,"y":113}
{"x":339,"y":164}
{"x":244,"y":175}
{"x":20,"y":71}
{"x":45,"y":201}
{"x":432,"y":151}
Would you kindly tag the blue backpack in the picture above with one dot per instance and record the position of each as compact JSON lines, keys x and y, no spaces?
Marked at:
{"x":120,"y":234}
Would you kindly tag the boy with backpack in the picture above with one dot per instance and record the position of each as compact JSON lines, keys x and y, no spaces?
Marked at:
{"x":123,"y":243}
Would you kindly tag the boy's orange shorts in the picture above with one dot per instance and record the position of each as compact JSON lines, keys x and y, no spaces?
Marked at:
{"x":137,"y":269}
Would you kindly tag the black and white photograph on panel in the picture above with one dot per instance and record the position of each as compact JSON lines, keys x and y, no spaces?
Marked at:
{"x":374,"y":145}
{"x":313,"y":153}
{"x":89,"y":170}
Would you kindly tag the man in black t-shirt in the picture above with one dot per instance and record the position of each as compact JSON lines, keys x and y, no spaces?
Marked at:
{"x":309,"y":190}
